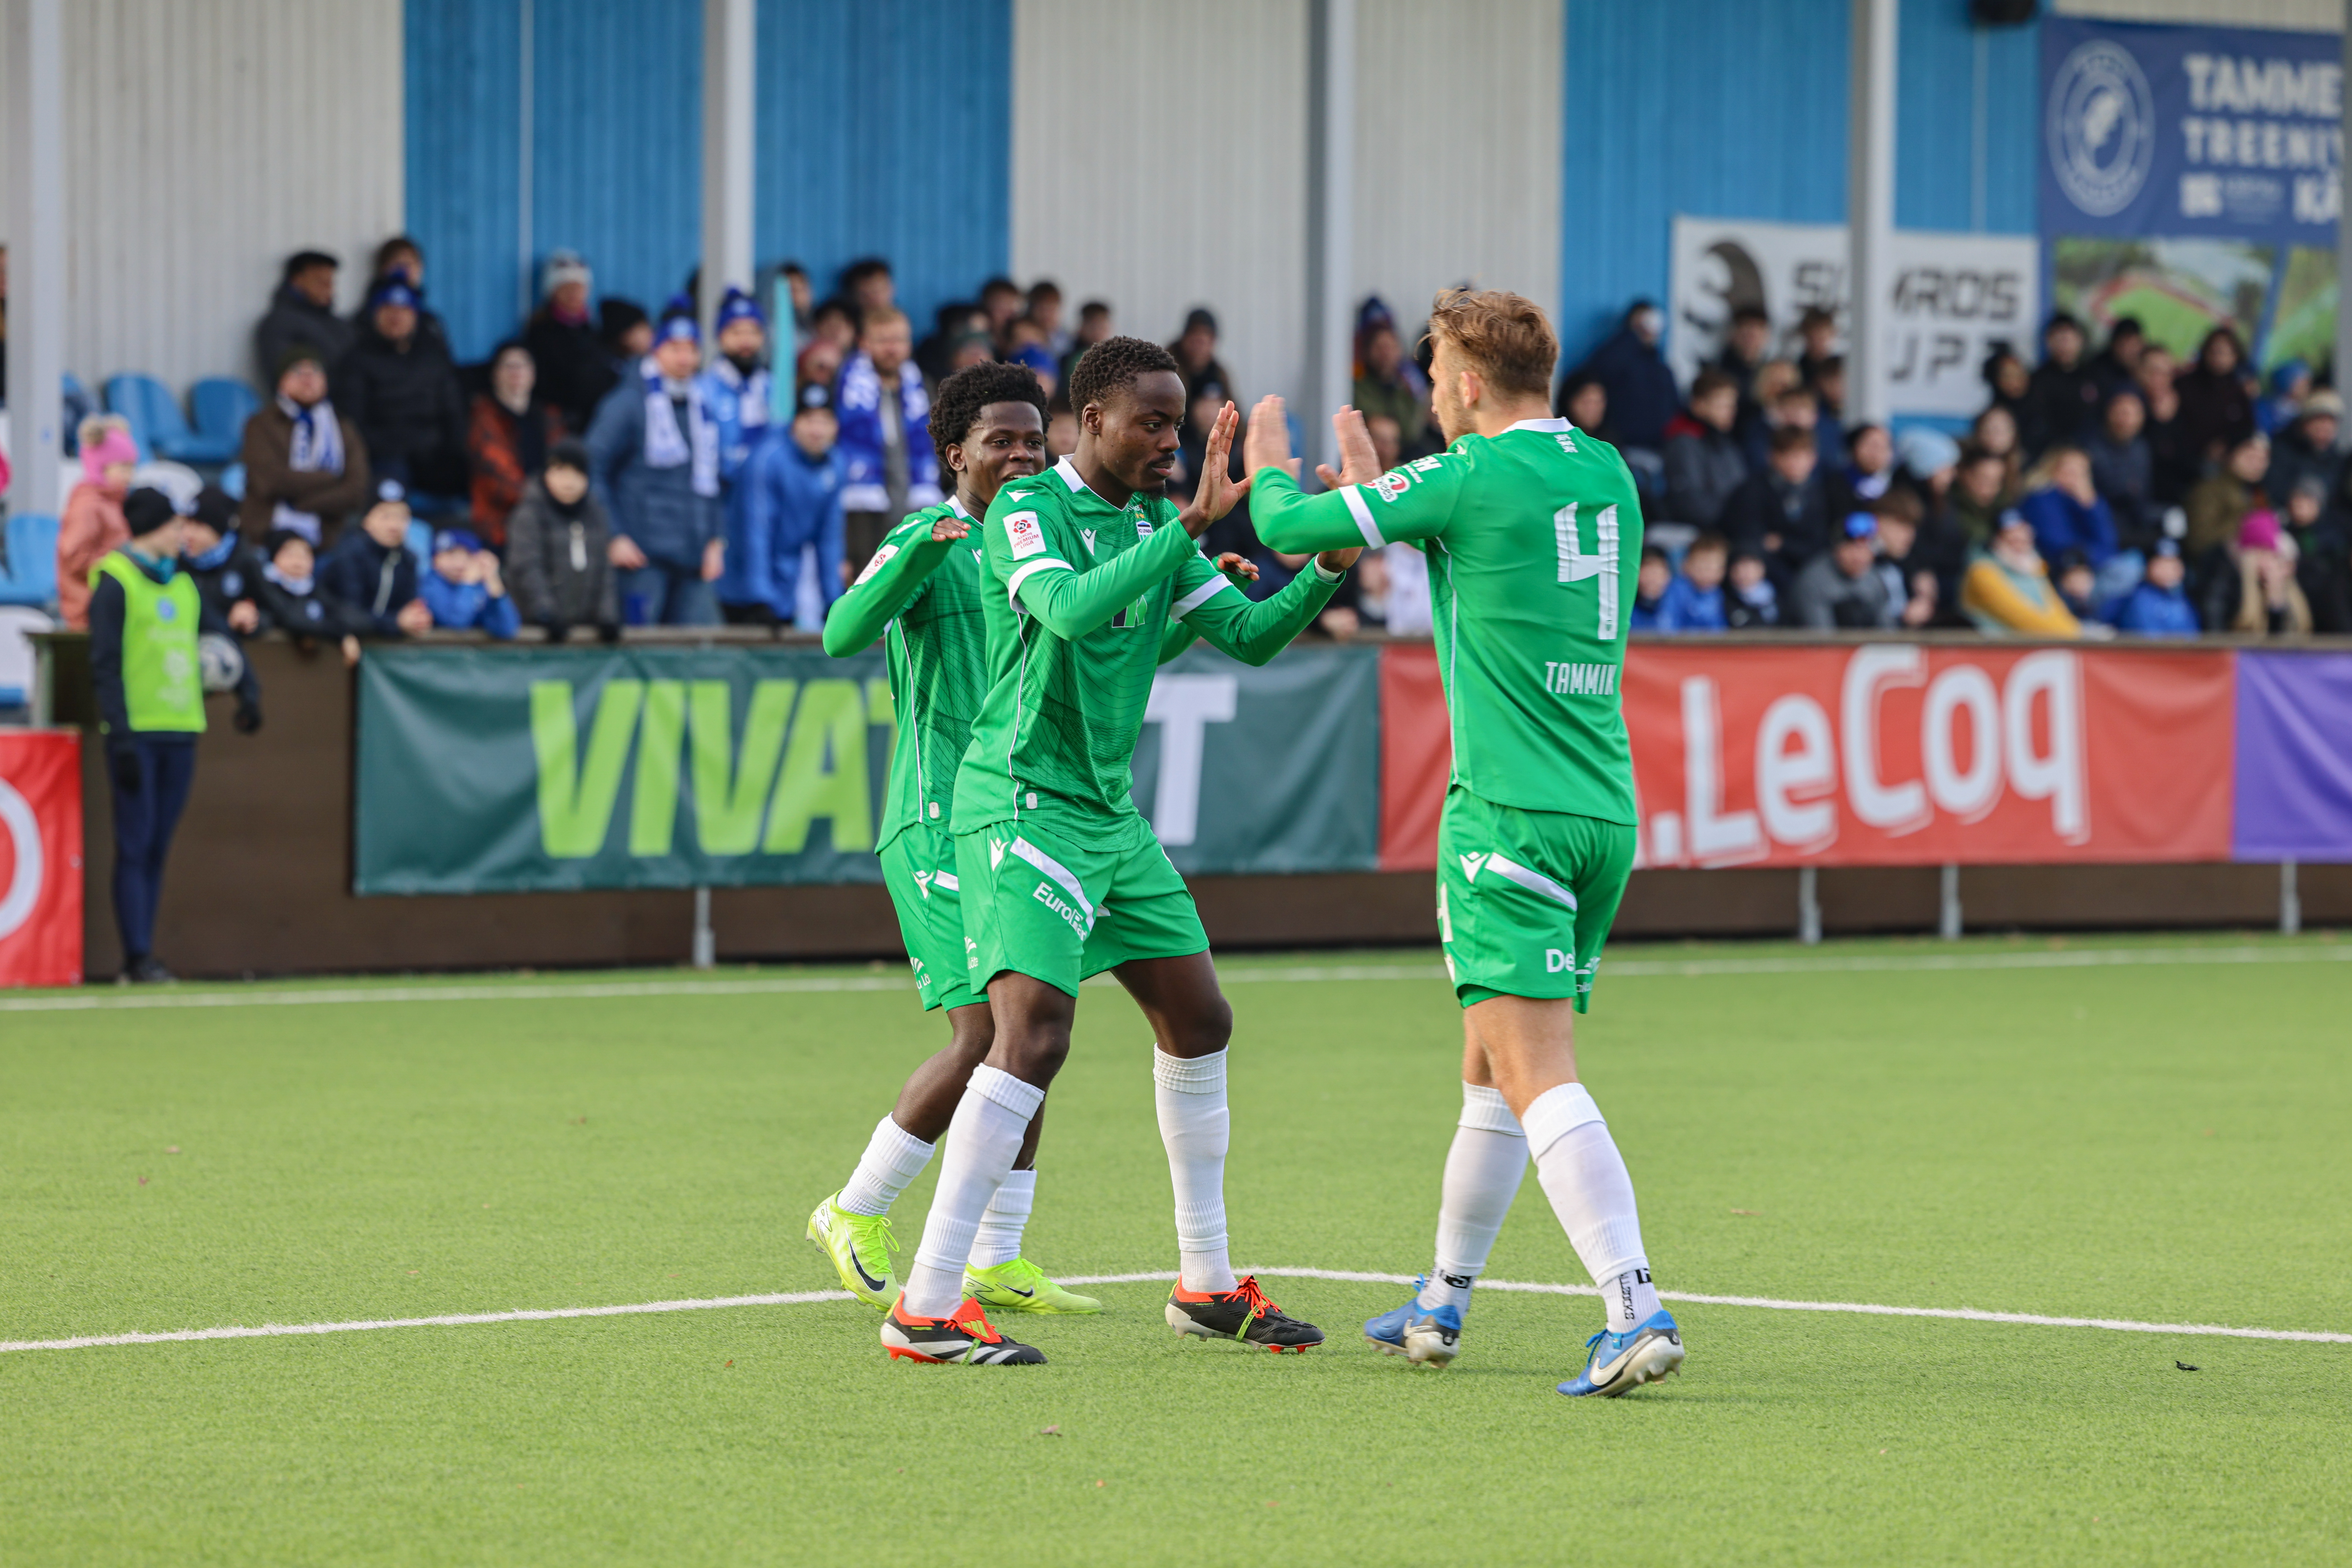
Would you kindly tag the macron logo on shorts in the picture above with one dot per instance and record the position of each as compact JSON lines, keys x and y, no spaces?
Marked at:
{"x":1470,"y":864}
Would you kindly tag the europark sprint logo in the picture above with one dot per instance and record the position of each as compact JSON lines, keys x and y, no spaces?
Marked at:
{"x":800,"y":755}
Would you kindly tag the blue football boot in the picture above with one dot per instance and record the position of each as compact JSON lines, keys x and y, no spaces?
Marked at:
{"x":1619,"y":1364}
{"x":1426,"y":1336}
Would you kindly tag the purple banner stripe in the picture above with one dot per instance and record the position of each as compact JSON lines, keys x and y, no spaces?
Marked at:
{"x":2293,"y":763}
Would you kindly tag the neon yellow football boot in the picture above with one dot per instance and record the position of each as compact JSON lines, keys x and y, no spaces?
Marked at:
{"x":860,"y":1246}
{"x":1021,"y":1285}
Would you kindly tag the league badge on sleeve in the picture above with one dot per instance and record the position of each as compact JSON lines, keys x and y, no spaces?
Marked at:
{"x":1027,"y":538}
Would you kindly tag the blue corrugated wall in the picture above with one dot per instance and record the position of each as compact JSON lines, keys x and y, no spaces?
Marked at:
{"x":1738,"y":109}
{"x":886,"y":129}
{"x":464,"y":153}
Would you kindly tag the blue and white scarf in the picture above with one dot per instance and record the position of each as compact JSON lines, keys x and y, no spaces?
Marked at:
{"x":859,"y":405}
{"x":317,"y":448}
{"x":666,"y":446}
{"x":752,"y":392}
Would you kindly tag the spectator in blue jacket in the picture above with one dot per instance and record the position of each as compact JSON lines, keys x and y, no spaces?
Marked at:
{"x":2158,"y":606}
{"x":1694,"y":600}
{"x":1656,"y":575}
{"x":737,"y":387}
{"x":372,"y":570}
{"x":463,"y":590}
{"x":654,"y":452}
{"x":888,"y":467}
{"x":2067,"y":514}
{"x":789,"y":500}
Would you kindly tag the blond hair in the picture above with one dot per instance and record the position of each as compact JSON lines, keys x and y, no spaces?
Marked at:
{"x":1504,"y":336}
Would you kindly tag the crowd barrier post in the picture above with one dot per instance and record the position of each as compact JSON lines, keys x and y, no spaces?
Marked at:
{"x":706,"y":941}
{"x":1809,"y":905}
{"x":2290,"y":901}
{"x":1947,"y":913}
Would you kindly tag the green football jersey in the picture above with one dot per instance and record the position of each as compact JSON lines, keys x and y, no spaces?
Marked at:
{"x":1534,"y":540}
{"x":1080,"y":596}
{"x":921,"y":596}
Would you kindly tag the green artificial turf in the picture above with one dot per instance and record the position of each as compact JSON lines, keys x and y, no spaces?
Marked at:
{"x":2153,"y":1142}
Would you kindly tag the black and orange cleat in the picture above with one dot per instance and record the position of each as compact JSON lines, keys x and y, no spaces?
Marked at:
{"x":964,"y":1337}
{"x":1241,"y":1314}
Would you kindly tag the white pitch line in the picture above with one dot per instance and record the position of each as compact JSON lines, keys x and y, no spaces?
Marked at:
{"x":799,"y":1298}
{"x":1623,"y":969}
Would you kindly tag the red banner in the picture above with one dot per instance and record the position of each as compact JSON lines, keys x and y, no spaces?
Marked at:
{"x":1884,"y":754}
{"x":40,"y":857}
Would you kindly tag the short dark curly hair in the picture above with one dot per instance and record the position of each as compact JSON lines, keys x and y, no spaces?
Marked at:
{"x":1113,"y":364}
{"x":962,"y":398}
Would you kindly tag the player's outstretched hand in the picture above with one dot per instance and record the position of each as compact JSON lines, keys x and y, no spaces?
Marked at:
{"x":1267,"y":445}
{"x":947,"y":528}
{"x":1239,"y":568}
{"x":1360,"y":460}
{"x":1218,"y":489}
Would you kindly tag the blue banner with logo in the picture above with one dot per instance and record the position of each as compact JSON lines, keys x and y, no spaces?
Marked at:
{"x":2231,"y":133}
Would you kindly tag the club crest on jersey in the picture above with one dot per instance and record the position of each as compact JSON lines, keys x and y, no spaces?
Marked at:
{"x":1471,"y":865}
{"x":1027,"y":538}
{"x":1393,"y":484}
{"x":881,"y":559}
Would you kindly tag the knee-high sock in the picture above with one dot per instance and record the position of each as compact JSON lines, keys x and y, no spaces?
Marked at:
{"x":1190,"y":1095}
{"x":998,"y":1239}
{"x":984,"y":1139}
{"x":1592,"y":1193}
{"x":893,"y":1158}
{"x":1483,"y":1172}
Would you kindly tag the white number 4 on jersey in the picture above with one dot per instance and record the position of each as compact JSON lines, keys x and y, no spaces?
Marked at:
{"x":1575,"y":566}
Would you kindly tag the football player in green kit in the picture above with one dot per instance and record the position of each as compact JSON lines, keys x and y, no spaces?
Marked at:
{"x":1534,"y":538}
{"x":1086,"y":567}
{"x":921,"y":596}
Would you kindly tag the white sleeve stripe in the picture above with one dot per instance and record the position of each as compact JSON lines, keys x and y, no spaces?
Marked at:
{"x":1200,"y":596}
{"x":1363,"y":516}
{"x":1021,"y":574}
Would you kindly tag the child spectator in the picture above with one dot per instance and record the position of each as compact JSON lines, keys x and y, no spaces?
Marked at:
{"x":558,"y":550}
{"x":93,"y":526}
{"x":1751,"y":602}
{"x":2290,"y":385}
{"x":654,"y":454}
{"x":1656,"y":575}
{"x":506,"y":438}
{"x":2077,"y":585}
{"x":1703,"y":465}
{"x":1913,"y":581}
{"x":1995,"y":431}
{"x":1978,"y":492}
{"x":2323,"y":551}
{"x":213,"y":556}
{"x":791,"y":502}
{"x":371,"y":571}
{"x":144,"y":617}
{"x":1694,"y":600}
{"x":2157,"y":607}
{"x":306,"y":465}
{"x":2305,"y":449}
{"x":292,"y":601}
{"x":2071,"y":517}
{"x":1583,"y":402}
{"x":2008,"y":591}
{"x":624,"y":334}
{"x":465,"y":592}
{"x":1868,"y":470}
{"x":2261,"y":597}
{"x":1781,"y":514}
{"x":1841,"y":589}
{"x":1817,"y":332}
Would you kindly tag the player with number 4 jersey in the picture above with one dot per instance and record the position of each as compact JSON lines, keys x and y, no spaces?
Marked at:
{"x":1533,"y":533}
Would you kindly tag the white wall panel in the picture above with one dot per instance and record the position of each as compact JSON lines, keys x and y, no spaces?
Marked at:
{"x":2306,"y":16}
{"x":208,"y":139}
{"x":1458,"y":147}
{"x":1160,"y":161}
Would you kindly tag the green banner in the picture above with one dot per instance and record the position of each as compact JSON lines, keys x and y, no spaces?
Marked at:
{"x":511,"y":770}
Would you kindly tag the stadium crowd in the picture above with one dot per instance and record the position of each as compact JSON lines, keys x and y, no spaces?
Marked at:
{"x":605,"y":468}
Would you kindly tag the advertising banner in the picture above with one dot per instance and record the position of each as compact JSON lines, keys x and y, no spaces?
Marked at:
{"x":485,"y":770}
{"x":1891,"y":754}
{"x":40,"y":857}
{"x":2293,"y":757}
{"x":1950,"y":297}
{"x":2190,"y":178}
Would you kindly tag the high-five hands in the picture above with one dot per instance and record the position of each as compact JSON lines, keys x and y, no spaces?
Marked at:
{"x":1269,"y":447}
{"x":1360,"y":460}
{"x":1218,"y":491}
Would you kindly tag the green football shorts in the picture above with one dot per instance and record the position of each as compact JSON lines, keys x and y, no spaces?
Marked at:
{"x":1525,"y":898}
{"x":919,"y":867}
{"x":1059,"y":906}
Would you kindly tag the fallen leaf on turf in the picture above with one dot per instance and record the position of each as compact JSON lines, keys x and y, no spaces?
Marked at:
{"x":1051,"y":1432}
{"x":143,"y":1180}
{"x":730,"y":1364}
{"x":1102,"y":1483}
{"x":2186,"y":1367}
{"x":172,"y":1148}
{"x":1747,"y":1211}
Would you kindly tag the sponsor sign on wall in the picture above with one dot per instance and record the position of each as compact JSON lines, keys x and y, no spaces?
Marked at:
{"x":40,"y":857}
{"x":1950,"y":297}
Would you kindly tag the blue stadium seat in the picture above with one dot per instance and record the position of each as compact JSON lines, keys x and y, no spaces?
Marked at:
{"x":222,"y":404}
{"x":150,"y":407}
{"x":31,"y":574}
{"x":79,"y":405}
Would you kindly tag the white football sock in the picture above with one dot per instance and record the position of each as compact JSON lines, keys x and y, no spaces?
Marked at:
{"x":1591,"y":1192}
{"x":893,"y":1158}
{"x":1190,"y":1095}
{"x":984,"y":1139}
{"x":1483,"y":1172}
{"x":998,"y":1240}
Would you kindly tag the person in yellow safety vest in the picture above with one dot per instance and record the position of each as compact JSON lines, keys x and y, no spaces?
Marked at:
{"x":143,"y":622}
